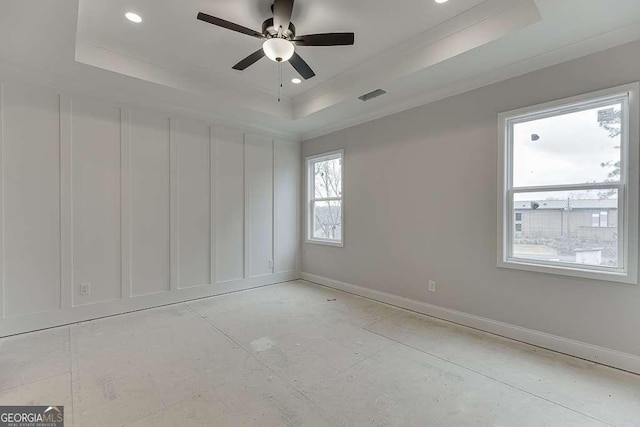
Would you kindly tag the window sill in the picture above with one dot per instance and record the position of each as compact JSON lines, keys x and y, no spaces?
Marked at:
{"x":561,"y":270}
{"x":325,"y":243}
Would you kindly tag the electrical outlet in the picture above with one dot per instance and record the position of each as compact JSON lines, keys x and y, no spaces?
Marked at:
{"x":270,"y":263}
{"x":432,"y":286}
{"x":85,"y":288}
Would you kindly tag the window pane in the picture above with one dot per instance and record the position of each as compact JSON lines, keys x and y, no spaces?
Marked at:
{"x":604,"y":219}
{"x":573,"y":148}
{"x":327,"y":220}
{"x":564,"y":226}
{"x":328,"y":178}
{"x":595,"y":220}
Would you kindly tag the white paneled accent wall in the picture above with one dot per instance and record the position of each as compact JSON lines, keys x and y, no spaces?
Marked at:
{"x":95,"y":200}
{"x":259,"y":202}
{"x":192,"y":172}
{"x":30,"y":204}
{"x":230,"y":205}
{"x":150,"y":203}
{"x":107,"y":209}
{"x":286,"y":207}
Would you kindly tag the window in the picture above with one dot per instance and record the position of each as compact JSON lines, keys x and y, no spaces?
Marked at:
{"x":600,"y":219}
{"x":324,"y":193}
{"x":595,"y":220}
{"x":518,"y":222}
{"x":572,"y":167}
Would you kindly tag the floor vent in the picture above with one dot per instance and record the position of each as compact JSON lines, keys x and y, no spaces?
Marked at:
{"x":369,"y":96}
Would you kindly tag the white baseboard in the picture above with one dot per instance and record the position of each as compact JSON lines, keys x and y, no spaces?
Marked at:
{"x":601,"y":355}
{"x":81,"y":313}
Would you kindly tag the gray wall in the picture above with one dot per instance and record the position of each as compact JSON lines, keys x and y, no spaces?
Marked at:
{"x":420,"y":204}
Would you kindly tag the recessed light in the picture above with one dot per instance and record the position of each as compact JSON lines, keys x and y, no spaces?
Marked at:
{"x":296,"y":81}
{"x":441,"y":1}
{"x":133,"y":17}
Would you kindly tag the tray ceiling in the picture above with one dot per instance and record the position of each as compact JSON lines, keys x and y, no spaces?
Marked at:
{"x":416,"y":50}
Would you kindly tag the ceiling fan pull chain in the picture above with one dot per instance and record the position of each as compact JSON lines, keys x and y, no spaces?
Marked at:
{"x":279,"y":80}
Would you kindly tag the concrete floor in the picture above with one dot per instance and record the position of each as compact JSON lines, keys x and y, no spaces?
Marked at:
{"x":300,"y":354}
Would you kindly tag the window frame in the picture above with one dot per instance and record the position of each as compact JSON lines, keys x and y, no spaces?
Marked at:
{"x":310,"y":197}
{"x":627,"y":187}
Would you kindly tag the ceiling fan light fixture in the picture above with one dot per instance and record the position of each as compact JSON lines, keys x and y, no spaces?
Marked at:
{"x":278,"y":49}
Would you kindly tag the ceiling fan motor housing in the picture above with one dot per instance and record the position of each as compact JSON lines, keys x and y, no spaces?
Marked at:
{"x":270,"y":31}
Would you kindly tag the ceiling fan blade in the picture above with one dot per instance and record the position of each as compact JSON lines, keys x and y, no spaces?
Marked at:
{"x":282,"y":10}
{"x":301,"y":67}
{"x":229,"y":25}
{"x":328,"y":39}
{"x":249,"y":60}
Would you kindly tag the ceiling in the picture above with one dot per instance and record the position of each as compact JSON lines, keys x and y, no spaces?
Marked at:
{"x":417,"y":50}
{"x":170,"y":33}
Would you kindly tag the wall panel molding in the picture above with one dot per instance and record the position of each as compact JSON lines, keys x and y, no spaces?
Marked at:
{"x":259,"y":205}
{"x":125,"y":202}
{"x":212,"y":204}
{"x":118,"y":171}
{"x":193,"y":142}
{"x":66,"y":202}
{"x":96,"y":195}
{"x":31,"y":204}
{"x":229,"y":205}
{"x":173,"y":202}
{"x":245,"y":213}
{"x":274,"y":222}
{"x":286,"y":227}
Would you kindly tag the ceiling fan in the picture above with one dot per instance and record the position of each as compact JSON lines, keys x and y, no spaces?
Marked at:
{"x":279,"y":35}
